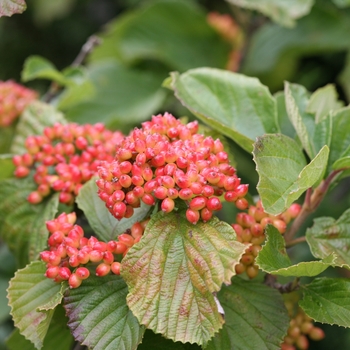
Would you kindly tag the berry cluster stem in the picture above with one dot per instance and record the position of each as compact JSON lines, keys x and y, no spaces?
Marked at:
{"x":313,"y":198}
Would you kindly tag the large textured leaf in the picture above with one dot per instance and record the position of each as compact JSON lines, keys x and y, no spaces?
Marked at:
{"x":173,"y":271}
{"x":22,"y":225}
{"x":124,"y":96}
{"x":304,"y":124}
{"x":327,"y":300}
{"x":273,"y":258}
{"x":99,"y":317}
{"x":105,"y":225}
{"x":10,"y":7}
{"x":238,"y":106}
{"x":58,"y":336}
{"x":34,"y":119}
{"x":328,"y":236}
{"x":282,"y":12}
{"x":340,"y":142}
{"x":174,"y":32}
{"x":323,"y":101}
{"x":36,"y":67}
{"x":28,"y":290}
{"x":255,"y":317}
{"x":283,"y":176}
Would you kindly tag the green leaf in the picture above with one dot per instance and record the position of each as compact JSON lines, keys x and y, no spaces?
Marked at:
{"x":19,"y":220}
{"x":106,"y":226}
{"x":327,"y":300}
{"x":273,"y":258}
{"x":296,"y":99}
{"x":10,"y":7}
{"x":181,"y":44}
{"x":58,"y":336}
{"x":36,"y":67}
{"x":6,"y":166}
{"x":283,"y":176}
{"x":124,"y":96}
{"x":282,"y":12}
{"x":328,"y":236}
{"x":255,"y":317}
{"x":39,"y":236}
{"x":323,"y":101}
{"x":34,"y":119}
{"x":240,"y":107}
{"x":5,"y":309}
{"x":340,"y":144}
{"x":99,"y":316}
{"x":28,"y":290}
{"x":173,"y":271}
{"x":282,"y":116}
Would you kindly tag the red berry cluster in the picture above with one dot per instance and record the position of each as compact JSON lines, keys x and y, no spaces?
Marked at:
{"x":301,"y":329}
{"x":69,"y":250}
{"x":167,"y":160}
{"x":250,"y":228}
{"x":13,"y":100}
{"x":65,"y":157}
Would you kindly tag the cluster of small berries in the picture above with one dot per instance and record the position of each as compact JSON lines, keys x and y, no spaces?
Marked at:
{"x":65,"y":157}
{"x":301,"y":329}
{"x":250,"y":228}
{"x":167,"y":160}
{"x":69,"y":250}
{"x":14,"y":98}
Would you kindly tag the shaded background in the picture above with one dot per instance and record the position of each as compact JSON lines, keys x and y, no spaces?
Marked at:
{"x":145,"y":40}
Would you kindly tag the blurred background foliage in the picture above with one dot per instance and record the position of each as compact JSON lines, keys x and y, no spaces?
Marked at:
{"x":302,"y":41}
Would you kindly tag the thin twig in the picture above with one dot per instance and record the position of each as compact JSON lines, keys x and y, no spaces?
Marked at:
{"x":271,"y":281}
{"x":311,"y":203}
{"x":295,"y":241}
{"x":87,"y":48}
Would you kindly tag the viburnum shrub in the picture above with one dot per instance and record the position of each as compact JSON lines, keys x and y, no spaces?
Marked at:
{"x":13,"y":100}
{"x":150,"y":239}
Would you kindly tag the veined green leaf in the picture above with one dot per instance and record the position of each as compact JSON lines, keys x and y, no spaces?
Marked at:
{"x":283,"y":173}
{"x":99,"y":316}
{"x":238,"y":106}
{"x":105,"y":225}
{"x":304,"y":124}
{"x":327,"y":300}
{"x":255,"y":317}
{"x":28,"y":290}
{"x":173,"y":271}
{"x":328,"y":236}
{"x":323,"y":101}
{"x":340,"y":144}
{"x":36,"y":67}
{"x":58,"y":336}
{"x":274,"y":259}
